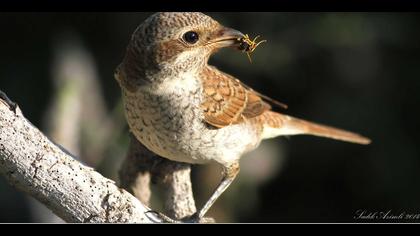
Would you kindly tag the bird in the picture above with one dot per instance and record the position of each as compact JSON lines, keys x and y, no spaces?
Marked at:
{"x":183,"y":109}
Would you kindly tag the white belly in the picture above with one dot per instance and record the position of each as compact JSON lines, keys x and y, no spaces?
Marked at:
{"x":169,"y":122}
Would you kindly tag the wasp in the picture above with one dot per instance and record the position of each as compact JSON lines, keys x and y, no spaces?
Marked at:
{"x":247,"y":45}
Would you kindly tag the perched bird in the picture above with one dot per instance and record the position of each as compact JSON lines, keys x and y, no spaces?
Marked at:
{"x":185,"y":110}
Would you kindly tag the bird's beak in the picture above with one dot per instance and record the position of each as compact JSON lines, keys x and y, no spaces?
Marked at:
{"x":225,"y":37}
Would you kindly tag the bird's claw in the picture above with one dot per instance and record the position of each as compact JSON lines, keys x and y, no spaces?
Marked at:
{"x":162,"y":218}
{"x":191,"y":219}
{"x":158,"y":217}
{"x":12,"y":105}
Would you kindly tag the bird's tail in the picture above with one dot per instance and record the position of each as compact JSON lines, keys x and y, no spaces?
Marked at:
{"x":276,"y":124}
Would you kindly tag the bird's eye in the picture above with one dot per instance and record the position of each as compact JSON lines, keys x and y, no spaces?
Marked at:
{"x":190,"y":37}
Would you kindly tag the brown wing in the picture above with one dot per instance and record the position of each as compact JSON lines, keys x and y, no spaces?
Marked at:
{"x":265,"y":98}
{"x":255,"y":105}
{"x":227,"y":101}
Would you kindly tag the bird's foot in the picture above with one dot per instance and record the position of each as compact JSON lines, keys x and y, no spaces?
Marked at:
{"x":195,"y":219}
{"x":162,"y":218}
{"x":12,"y":105}
{"x":158,"y":217}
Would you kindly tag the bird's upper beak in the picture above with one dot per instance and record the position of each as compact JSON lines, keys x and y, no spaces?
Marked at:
{"x":225,"y":37}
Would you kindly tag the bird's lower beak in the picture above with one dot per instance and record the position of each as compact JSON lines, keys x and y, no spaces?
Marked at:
{"x":226,"y":37}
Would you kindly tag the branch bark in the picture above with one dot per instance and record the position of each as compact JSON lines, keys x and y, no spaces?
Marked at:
{"x":76,"y":193}
{"x":135,"y":174}
{"x":179,"y":202}
{"x":142,"y":167}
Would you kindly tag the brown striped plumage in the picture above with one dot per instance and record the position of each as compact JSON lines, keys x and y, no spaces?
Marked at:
{"x":185,"y":110}
{"x":226,"y":101}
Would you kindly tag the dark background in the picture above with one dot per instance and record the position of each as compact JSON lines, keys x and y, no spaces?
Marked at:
{"x":358,"y":71}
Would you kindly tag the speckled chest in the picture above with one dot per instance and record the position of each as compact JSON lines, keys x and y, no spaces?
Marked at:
{"x":168,"y":120}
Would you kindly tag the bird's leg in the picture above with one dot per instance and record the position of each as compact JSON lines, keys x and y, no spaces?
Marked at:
{"x":229,"y":174}
{"x":12,"y":105}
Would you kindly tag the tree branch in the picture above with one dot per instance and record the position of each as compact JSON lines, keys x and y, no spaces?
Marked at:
{"x":135,"y":174}
{"x":141,"y":166}
{"x":76,"y":193}
{"x":179,"y":202}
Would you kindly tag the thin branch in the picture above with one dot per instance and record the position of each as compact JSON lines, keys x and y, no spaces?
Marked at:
{"x":76,"y":193}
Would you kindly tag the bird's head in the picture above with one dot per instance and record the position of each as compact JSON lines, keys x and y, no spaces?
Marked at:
{"x":176,"y":42}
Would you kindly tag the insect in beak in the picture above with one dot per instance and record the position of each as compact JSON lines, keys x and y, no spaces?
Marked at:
{"x":248,"y":46}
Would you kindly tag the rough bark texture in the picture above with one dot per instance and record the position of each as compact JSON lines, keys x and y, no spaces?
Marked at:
{"x":179,"y":202}
{"x":135,"y":171}
{"x":76,"y":193}
{"x":142,"y":167}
